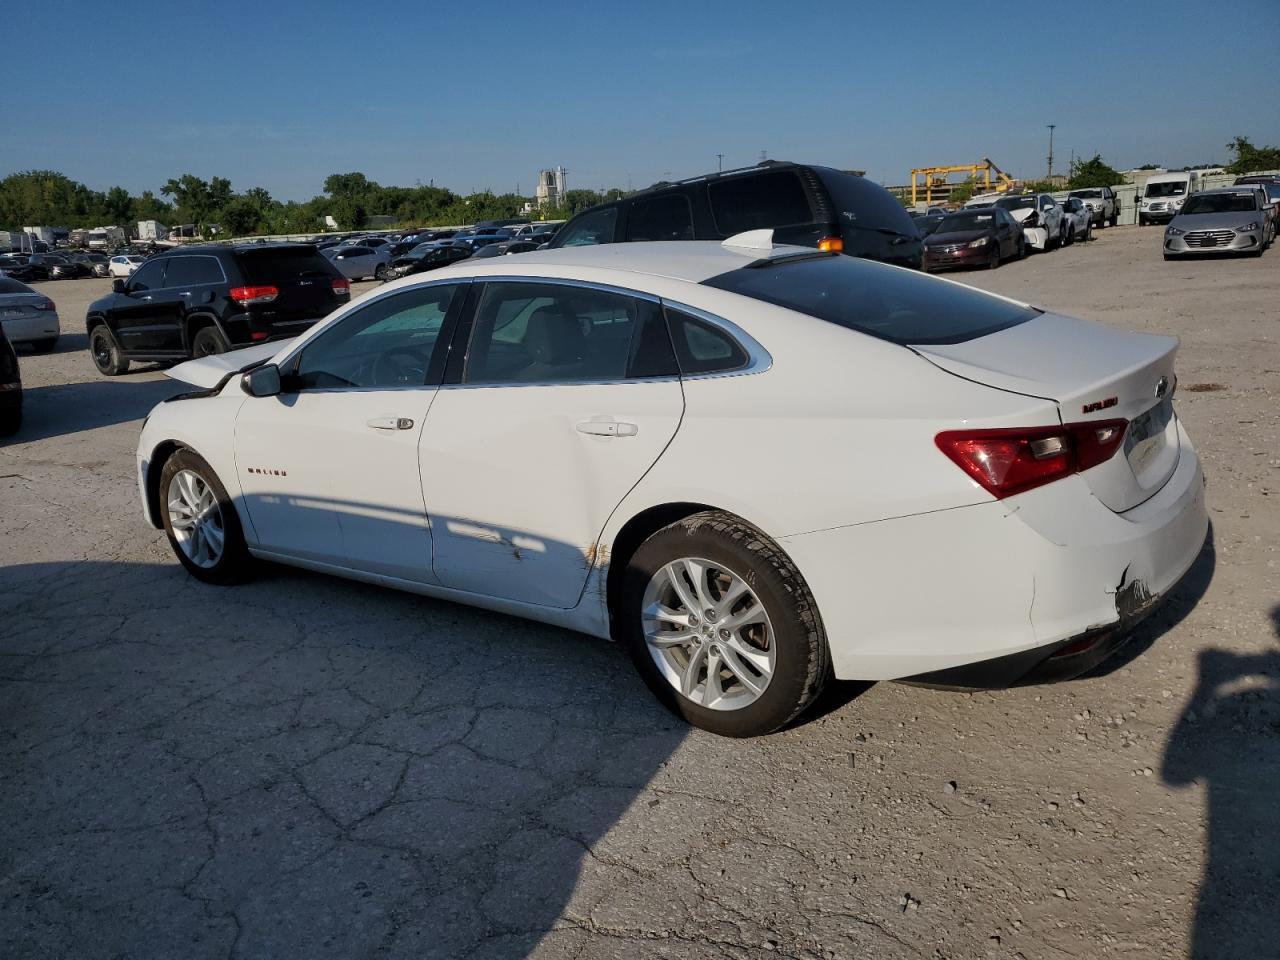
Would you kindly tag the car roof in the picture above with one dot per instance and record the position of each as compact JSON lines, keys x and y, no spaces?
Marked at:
{"x":690,"y":260}
{"x":1238,"y":188}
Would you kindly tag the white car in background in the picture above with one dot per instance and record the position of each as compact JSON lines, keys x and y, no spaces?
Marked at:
{"x":124,"y":265}
{"x":1038,"y":213}
{"x":1077,"y":220}
{"x":756,"y":466}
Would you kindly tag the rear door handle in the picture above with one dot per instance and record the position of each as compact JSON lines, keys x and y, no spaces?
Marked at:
{"x":608,"y":428}
{"x":390,"y":423}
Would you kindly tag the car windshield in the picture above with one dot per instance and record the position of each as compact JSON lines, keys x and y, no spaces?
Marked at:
{"x":1273,"y":191}
{"x":1087,"y":194}
{"x":959,"y":222}
{"x":897,"y":305}
{"x":1221,"y":203}
{"x":1016,"y":203}
{"x":1174,"y":189}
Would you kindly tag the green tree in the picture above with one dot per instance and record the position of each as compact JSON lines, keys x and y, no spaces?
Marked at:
{"x":964,"y":192}
{"x":1249,"y":158}
{"x":1094,"y":172}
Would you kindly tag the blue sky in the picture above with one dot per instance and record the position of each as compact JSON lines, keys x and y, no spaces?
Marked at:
{"x":473,"y":95}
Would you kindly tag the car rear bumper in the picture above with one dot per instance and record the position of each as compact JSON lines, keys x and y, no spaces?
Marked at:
{"x":1030,"y":575}
{"x":42,"y":326}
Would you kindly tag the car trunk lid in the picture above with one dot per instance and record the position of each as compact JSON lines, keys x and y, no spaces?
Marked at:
{"x":1093,"y":373}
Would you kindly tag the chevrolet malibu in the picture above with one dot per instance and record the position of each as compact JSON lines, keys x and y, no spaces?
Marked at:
{"x":756,"y":466}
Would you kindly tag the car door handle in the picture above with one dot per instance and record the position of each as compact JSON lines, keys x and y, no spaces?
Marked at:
{"x":608,"y":428}
{"x":390,"y":423}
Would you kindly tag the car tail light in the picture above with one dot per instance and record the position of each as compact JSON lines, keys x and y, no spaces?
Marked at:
{"x":831,"y":245}
{"x":341,"y":287}
{"x":258,"y":335}
{"x":251,"y":295}
{"x":1005,"y":462}
{"x":45,"y":305}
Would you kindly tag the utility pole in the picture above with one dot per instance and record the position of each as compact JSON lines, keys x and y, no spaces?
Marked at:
{"x":719,"y":162}
{"x":1051,"y":126}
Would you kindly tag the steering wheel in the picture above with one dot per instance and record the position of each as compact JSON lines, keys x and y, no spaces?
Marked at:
{"x":400,"y":367}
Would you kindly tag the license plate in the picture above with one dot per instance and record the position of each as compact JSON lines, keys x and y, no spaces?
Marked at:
{"x":1146,"y":434}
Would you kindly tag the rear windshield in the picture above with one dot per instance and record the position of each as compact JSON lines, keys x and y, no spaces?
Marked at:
{"x":277,"y":264}
{"x":898,"y":305}
{"x":13,"y":286}
{"x":862,"y":203}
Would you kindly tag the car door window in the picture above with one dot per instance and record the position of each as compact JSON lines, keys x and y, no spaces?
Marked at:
{"x":149,"y":276}
{"x":591,"y":228}
{"x":661,"y":218}
{"x":755,"y":201}
{"x":395,"y":341}
{"x":526,"y":333}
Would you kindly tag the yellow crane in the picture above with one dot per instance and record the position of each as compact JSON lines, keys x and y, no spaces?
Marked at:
{"x":935,"y":178}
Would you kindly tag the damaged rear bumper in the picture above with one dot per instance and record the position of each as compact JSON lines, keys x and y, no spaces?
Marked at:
{"x":1063,"y":660}
{"x":1040,"y":586}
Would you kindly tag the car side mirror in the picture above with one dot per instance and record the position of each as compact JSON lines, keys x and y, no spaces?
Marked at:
{"x":262,"y":381}
{"x":117,"y":285}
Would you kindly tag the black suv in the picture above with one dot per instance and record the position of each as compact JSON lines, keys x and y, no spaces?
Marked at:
{"x":199,"y":300}
{"x":804,"y":204}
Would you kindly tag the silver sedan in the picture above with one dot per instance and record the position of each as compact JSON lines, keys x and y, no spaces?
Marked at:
{"x":1229,"y":220}
{"x":358,"y":262}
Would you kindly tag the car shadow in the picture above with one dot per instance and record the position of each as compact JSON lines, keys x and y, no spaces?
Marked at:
{"x":68,"y":408}
{"x":307,"y":766}
{"x":1227,"y":739}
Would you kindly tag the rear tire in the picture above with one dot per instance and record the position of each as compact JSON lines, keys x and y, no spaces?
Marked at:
{"x":744,"y":581}
{"x":10,"y":421}
{"x":208,"y":342}
{"x":208,"y":540}
{"x":106,"y":353}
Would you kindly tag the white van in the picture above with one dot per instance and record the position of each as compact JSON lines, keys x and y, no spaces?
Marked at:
{"x":1164,"y":194}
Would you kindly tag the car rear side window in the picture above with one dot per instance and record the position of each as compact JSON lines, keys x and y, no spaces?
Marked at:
{"x":274,"y":265}
{"x":754,"y":201}
{"x":189,"y":271}
{"x":701,"y":347}
{"x":590,"y":228}
{"x":897,"y":305}
{"x":661,"y":218}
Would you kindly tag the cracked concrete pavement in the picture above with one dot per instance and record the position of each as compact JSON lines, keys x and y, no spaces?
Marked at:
{"x":305,"y":767}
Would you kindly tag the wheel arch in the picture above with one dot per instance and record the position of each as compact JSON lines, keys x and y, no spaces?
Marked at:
{"x":645,"y":524}
{"x":155,"y":464}
{"x":196,"y":321}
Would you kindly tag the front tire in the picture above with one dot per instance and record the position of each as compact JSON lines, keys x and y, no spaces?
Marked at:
{"x":106,"y":353}
{"x":200,"y":520}
{"x":383,"y":273}
{"x":722,"y":627}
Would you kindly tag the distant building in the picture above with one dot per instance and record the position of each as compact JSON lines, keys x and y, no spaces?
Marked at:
{"x":551,"y":188}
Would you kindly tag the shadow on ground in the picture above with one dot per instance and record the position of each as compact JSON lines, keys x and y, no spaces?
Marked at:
{"x":68,"y":408}
{"x":1228,"y":740}
{"x":306,"y":767}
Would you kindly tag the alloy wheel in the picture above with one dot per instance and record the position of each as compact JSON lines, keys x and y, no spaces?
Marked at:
{"x":196,"y":518}
{"x":709,"y":633}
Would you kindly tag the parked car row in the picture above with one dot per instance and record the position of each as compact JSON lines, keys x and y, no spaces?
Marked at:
{"x":993,"y":228}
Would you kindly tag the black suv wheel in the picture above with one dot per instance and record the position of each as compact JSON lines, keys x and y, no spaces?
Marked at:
{"x":106,"y":352}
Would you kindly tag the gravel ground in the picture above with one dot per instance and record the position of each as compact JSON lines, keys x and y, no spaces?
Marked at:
{"x":307,"y":767}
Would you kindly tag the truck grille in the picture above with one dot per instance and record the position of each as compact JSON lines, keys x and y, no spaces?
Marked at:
{"x":1209,"y":238}
{"x":1156,"y":206}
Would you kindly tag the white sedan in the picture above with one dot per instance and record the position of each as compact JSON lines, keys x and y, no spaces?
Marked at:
{"x":755,"y":466}
{"x":124,"y":265}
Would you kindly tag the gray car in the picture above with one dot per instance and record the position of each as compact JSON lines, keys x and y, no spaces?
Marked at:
{"x":1229,"y":220}
{"x":358,"y":261}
